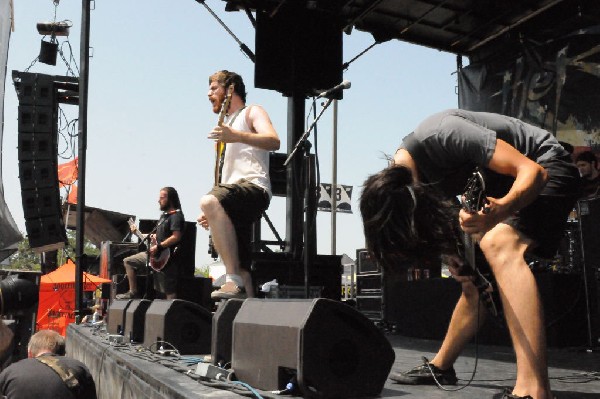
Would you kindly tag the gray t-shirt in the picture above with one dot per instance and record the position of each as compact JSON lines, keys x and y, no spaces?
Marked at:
{"x":447,"y":147}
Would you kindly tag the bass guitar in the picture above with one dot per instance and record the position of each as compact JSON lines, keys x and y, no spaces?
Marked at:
{"x":474,"y":200}
{"x":220,"y":157}
{"x":159,"y":261}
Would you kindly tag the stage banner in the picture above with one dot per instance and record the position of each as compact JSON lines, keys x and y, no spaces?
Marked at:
{"x":9,"y":233}
{"x":553,"y":85}
{"x":343,"y":198}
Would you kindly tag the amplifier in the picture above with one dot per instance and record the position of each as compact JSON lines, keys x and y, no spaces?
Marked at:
{"x":369,"y":284}
{"x":370,"y":306}
{"x":365,"y":263}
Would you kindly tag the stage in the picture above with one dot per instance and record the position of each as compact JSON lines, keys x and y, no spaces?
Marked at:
{"x":129,"y":371}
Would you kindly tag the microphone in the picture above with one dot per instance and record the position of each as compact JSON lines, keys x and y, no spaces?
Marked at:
{"x":342,"y":86}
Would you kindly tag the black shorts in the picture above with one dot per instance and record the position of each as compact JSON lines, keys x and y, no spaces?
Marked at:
{"x":544,"y":220}
{"x":244,"y":203}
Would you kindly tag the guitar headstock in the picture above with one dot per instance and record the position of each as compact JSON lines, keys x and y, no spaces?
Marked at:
{"x":474,"y":197}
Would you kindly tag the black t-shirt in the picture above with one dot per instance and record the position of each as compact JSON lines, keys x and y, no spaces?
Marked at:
{"x":30,"y":378}
{"x":167,"y":224}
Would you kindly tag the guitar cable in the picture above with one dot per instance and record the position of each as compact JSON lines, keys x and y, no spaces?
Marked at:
{"x":439,"y":385}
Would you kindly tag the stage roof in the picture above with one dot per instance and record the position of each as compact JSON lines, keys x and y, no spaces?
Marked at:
{"x":464,"y":27}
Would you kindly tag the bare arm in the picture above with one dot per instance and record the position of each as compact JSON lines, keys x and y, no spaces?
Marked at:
{"x":263,"y":134}
{"x":530,"y":179}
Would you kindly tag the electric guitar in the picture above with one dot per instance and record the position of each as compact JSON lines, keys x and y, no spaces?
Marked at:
{"x":157,"y":262}
{"x":220,"y":157}
{"x":474,"y":200}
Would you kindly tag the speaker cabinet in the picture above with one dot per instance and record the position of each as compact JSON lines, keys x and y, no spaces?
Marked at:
{"x":197,"y":290}
{"x":120,"y":285}
{"x":589,"y":224}
{"x":117,"y":316}
{"x":38,"y":163}
{"x":365,"y":263}
{"x":135,"y":317}
{"x":178,"y":324}
{"x":298,"y":48}
{"x":222,"y":330}
{"x":332,"y":349}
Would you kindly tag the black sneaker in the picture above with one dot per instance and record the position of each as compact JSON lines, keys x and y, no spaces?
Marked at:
{"x":423,"y":375}
{"x":507,"y":394}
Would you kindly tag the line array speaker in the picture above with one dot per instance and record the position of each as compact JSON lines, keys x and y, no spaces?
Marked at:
{"x":332,"y":349}
{"x":38,"y":163}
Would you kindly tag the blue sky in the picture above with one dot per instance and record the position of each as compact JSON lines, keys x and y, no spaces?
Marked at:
{"x":149,"y":116}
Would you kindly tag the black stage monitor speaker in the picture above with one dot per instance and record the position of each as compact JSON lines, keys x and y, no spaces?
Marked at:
{"x":332,"y":349}
{"x":135,"y":317}
{"x":178,"y":324}
{"x":117,"y":316}
{"x":222,"y":330}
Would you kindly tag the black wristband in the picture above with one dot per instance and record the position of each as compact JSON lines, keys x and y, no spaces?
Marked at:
{"x":159,"y":247}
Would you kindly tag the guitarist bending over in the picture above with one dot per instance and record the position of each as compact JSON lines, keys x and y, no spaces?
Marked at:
{"x":168,"y":234}
{"x":242,"y":189}
{"x":407,"y":213}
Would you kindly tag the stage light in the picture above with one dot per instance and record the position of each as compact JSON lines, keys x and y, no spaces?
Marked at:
{"x":17,"y":294}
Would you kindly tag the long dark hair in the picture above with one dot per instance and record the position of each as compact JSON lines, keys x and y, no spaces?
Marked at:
{"x":173,"y":197}
{"x":404,"y":220}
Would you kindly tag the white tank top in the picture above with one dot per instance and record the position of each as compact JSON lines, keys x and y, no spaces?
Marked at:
{"x":243,"y":161}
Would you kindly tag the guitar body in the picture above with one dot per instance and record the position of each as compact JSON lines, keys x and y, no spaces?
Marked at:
{"x":157,"y":262}
{"x":474,"y":200}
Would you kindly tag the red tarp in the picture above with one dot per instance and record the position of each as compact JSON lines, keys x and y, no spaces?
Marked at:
{"x":56,"y":307}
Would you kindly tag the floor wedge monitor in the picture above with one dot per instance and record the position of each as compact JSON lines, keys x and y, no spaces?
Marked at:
{"x":178,"y":324}
{"x":331,"y":349}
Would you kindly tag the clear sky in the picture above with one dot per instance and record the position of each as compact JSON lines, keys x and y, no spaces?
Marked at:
{"x":149,"y":116}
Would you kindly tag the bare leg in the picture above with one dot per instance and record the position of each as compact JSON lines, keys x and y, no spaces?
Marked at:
{"x":462,"y":328}
{"x":504,"y":249}
{"x":131,"y":277}
{"x":225,"y":239}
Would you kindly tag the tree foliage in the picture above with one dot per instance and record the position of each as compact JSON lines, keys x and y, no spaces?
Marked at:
{"x":27,"y":259}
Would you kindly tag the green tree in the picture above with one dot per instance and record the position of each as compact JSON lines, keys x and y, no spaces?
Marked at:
{"x":25,"y":258}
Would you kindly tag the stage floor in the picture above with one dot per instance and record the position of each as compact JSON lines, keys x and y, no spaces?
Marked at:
{"x":126,"y":371}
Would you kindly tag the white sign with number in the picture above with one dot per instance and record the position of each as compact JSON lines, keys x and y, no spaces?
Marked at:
{"x":343,"y":197}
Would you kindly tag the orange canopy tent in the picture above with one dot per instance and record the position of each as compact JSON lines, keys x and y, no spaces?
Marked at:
{"x":56,"y":307}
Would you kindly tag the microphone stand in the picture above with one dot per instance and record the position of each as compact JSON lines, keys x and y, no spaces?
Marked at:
{"x":304,"y":145}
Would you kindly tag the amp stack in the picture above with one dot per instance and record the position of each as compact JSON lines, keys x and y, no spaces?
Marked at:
{"x":369,"y":287}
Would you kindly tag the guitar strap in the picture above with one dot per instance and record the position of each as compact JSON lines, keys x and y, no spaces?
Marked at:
{"x":65,"y":374}
{"x":222,"y":155}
